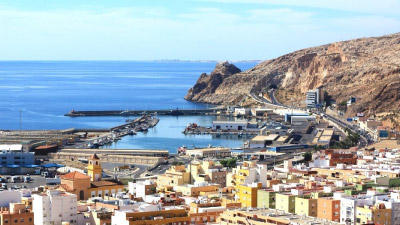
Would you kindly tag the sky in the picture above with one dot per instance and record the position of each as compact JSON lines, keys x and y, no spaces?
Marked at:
{"x":184,"y":29}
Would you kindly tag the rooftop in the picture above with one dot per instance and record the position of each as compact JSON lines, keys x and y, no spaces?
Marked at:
{"x":75,"y":176}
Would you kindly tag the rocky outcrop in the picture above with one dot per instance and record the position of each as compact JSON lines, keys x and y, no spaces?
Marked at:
{"x":207,"y":84}
{"x":367,"y":68}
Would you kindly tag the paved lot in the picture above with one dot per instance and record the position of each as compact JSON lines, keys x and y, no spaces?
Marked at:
{"x":35,"y":182}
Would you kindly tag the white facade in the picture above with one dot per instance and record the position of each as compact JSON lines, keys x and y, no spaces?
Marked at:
{"x":119,"y":218}
{"x":54,"y":207}
{"x":9,"y":196}
{"x":139,"y":188}
{"x":312,"y":98}
{"x":242,"y":111}
{"x":257,"y":174}
{"x":229,"y":125}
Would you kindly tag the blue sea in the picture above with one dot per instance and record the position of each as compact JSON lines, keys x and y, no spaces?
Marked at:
{"x":43,"y":91}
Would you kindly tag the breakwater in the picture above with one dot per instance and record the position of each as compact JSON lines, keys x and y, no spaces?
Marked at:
{"x":174,"y":112}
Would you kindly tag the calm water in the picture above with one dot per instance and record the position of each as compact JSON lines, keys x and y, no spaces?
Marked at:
{"x":45,"y":90}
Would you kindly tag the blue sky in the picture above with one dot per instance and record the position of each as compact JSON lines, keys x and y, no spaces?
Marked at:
{"x":184,"y":29}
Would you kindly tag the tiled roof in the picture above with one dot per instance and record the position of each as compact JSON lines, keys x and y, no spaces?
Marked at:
{"x":103,"y":183}
{"x":65,"y":187}
{"x":75,"y":176}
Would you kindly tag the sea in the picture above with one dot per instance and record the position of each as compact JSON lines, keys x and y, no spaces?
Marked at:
{"x":36,"y":94}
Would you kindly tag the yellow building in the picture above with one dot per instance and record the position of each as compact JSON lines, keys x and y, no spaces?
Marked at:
{"x":94,"y":168}
{"x":285,"y":202}
{"x":239,"y":174}
{"x":85,"y":186}
{"x":247,"y":194}
{"x":305,"y":205}
{"x":377,"y":214}
{"x":174,"y":176}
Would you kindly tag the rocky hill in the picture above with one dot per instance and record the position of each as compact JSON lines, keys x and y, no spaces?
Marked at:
{"x":367,"y":68}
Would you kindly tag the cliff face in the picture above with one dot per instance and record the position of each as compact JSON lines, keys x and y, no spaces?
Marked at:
{"x":367,"y":68}
{"x":206,"y":85}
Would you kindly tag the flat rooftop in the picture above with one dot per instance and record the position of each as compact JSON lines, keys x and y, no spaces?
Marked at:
{"x":271,"y":137}
{"x":208,"y":149}
{"x":279,"y":216}
{"x":230,"y":122}
{"x":127,"y":151}
{"x":327,"y":132}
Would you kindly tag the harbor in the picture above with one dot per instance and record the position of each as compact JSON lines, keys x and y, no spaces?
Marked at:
{"x":173,"y":112}
{"x":48,"y":141}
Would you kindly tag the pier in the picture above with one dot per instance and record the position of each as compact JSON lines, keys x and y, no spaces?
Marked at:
{"x":173,"y":112}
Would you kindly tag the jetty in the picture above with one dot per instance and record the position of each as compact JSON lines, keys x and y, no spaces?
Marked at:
{"x":173,"y":112}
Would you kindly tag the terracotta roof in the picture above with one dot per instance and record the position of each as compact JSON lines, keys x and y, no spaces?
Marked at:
{"x":94,"y":156}
{"x":103,"y":183}
{"x":75,"y":176}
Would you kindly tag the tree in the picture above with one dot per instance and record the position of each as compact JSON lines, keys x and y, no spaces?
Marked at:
{"x":177,"y":163}
{"x":230,"y":163}
{"x":307,"y":156}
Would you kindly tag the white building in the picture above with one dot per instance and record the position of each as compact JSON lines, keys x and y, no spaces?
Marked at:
{"x":120,"y":216}
{"x":230,"y":125}
{"x":312,"y":98}
{"x":257,"y":173}
{"x":139,"y":189}
{"x":348,"y":206}
{"x":9,"y":196}
{"x":242,"y":111}
{"x":54,"y":207}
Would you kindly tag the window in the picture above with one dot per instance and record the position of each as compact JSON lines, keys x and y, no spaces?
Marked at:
{"x":5,"y":221}
{"x":22,"y":220}
{"x":30,"y":219}
{"x":16,"y":221}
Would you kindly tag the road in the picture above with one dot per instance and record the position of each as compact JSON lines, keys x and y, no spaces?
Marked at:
{"x":363,"y":140}
{"x":264,"y":101}
{"x":275,"y":103}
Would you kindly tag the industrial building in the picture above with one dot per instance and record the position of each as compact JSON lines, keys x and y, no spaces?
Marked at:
{"x":14,"y":161}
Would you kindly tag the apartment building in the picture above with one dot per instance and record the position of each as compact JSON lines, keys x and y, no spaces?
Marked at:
{"x":329,"y":209}
{"x":208,"y":171}
{"x":174,"y":176}
{"x":16,"y":214}
{"x":160,"y":217}
{"x":55,"y":207}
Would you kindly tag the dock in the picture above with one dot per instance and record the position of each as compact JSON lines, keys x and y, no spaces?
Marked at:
{"x":173,"y":112}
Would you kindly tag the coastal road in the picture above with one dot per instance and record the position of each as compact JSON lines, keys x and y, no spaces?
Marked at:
{"x":275,"y":103}
{"x":363,"y":140}
{"x":264,"y":101}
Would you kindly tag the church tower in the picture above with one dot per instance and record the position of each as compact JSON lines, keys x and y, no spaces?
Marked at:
{"x":94,"y":168}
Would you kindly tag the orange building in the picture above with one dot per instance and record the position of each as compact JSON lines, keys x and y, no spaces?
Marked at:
{"x":329,"y":209}
{"x":163,"y":217}
{"x":337,"y":156}
{"x":85,"y":186}
{"x":202,"y":213}
{"x":16,"y":214}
